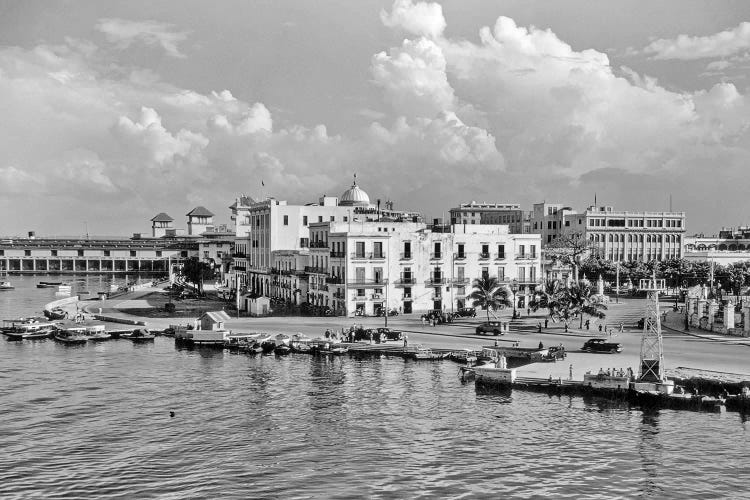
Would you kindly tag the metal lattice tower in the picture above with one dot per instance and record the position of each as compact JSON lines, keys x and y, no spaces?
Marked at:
{"x":652,"y":352}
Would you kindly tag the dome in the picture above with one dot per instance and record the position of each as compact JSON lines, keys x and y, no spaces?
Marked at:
{"x":354,"y":197}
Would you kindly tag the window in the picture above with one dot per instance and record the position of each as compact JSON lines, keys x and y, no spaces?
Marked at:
{"x":407,"y":249}
{"x":304,"y":220}
{"x":333,"y":218}
{"x":158,"y":253}
{"x":460,"y":273}
{"x":501,"y":251}
{"x":378,"y":274}
{"x":106,"y":253}
{"x":286,"y":220}
{"x":532,"y":251}
{"x":360,"y":292}
{"x":54,"y":253}
{"x":461,"y":253}
{"x":567,"y":223}
{"x":521,"y":274}
{"x":80,"y":253}
{"x":521,"y":250}
{"x":132,"y":253}
{"x":27,"y":253}
{"x":378,"y":249}
{"x":501,"y":273}
{"x":360,"y":249}
{"x":359,"y":274}
{"x":320,"y":218}
{"x":346,"y":219}
{"x":437,"y":249}
{"x":407,"y":292}
{"x":485,"y":272}
{"x":303,"y":242}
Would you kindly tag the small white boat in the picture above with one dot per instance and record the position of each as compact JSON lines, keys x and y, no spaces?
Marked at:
{"x":97,"y":333}
{"x":64,"y":289}
{"x":72,"y":335}
{"x":27,"y":329}
{"x":424,"y":353}
{"x":6,"y":285}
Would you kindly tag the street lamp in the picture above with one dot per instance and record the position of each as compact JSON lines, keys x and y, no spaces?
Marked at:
{"x":514,"y":289}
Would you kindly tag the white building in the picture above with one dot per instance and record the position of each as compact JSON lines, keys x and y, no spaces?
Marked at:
{"x":374,"y":265}
{"x":730,"y":246}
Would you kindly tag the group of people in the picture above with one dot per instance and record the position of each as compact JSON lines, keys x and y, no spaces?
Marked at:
{"x":616,"y":372}
{"x":435,"y":318}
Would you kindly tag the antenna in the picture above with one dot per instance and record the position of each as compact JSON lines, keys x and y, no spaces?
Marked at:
{"x":670,"y":202}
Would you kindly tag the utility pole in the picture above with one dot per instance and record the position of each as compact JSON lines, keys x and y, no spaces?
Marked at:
{"x":617,"y":282}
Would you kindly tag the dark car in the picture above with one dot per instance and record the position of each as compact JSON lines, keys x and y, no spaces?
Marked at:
{"x":389,"y":334}
{"x":493,"y":327}
{"x":466,"y":312}
{"x":601,"y":345}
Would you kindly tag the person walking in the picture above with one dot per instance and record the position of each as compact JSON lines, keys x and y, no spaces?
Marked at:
{"x":588,"y":324}
{"x":600,"y":327}
{"x":621,"y":326}
{"x":546,"y":322}
{"x":571,"y":371}
{"x":406,"y":341}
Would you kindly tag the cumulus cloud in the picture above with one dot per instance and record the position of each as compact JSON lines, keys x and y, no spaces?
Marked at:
{"x":420,"y":18}
{"x":686,"y":47}
{"x":124,"y":33}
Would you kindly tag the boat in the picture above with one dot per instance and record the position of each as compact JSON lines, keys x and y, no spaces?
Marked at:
{"x":338,"y":350}
{"x":72,"y":335}
{"x":282,"y":350}
{"x":28,"y":328}
{"x":64,"y":289}
{"x":465,"y":356}
{"x":254,"y":348}
{"x":48,"y":284}
{"x":6,"y":285}
{"x":97,"y":333}
{"x":56,"y":313}
{"x":139,"y":335}
{"x":424,"y":353}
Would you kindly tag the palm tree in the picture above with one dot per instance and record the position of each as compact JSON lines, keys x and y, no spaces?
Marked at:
{"x":546,"y":298}
{"x":489,"y":294}
{"x":584,"y":301}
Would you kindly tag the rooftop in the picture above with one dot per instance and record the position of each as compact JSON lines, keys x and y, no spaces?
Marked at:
{"x":200,"y":212}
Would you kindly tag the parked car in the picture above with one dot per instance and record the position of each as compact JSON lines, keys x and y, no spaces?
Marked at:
{"x":390,"y":334}
{"x":493,"y":327}
{"x":466,"y":312}
{"x":601,"y":345}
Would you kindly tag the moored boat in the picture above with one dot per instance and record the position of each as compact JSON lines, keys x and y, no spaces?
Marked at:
{"x":424,"y":353}
{"x":282,"y":350}
{"x":97,"y":333}
{"x":72,"y":335}
{"x":27,"y":329}
{"x":56,"y":313}
{"x":139,"y":335}
{"x":48,"y":284}
{"x":6,"y":285}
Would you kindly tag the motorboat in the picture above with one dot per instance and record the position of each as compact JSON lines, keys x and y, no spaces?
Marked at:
{"x":139,"y":335}
{"x":424,"y":353}
{"x":254,"y":348}
{"x":465,"y":356}
{"x":48,"y":284}
{"x":64,"y":289}
{"x":97,"y":333}
{"x":28,"y":328}
{"x":6,"y":285}
{"x":56,"y":313}
{"x":72,"y":335}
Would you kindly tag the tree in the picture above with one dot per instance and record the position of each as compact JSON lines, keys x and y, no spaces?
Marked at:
{"x":547,"y":298}
{"x":196,"y":272}
{"x":584,"y":301}
{"x":489,"y":294}
{"x":570,"y":248}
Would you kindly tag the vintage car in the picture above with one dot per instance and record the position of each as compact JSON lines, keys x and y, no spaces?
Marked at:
{"x":466,"y":312}
{"x":601,"y":345}
{"x":388,"y":334}
{"x":493,"y":327}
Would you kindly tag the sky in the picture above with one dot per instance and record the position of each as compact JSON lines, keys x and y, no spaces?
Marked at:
{"x":115,"y":111}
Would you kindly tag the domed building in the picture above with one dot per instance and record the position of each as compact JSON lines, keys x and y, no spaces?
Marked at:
{"x":354,"y":197}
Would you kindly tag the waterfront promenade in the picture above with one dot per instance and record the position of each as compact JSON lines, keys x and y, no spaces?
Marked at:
{"x":697,"y":350}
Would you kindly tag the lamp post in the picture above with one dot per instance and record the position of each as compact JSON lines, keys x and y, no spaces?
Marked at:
{"x":514,"y":289}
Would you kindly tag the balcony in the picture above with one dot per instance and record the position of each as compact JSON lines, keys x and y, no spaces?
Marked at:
{"x":368,"y":256}
{"x":318,"y":244}
{"x":376,"y":296}
{"x":335,"y":280}
{"x":406,"y":256}
{"x":437,"y":280}
{"x":338,"y":255}
{"x":484,"y":255}
{"x":500,"y":256}
{"x":460,"y":256}
{"x":339,"y":295}
{"x":406,"y":280}
{"x":436,"y":256}
{"x":316,"y":270}
{"x":460,"y":281}
{"x":239,"y":255}
{"x":365,"y":283}
{"x":526,"y":256}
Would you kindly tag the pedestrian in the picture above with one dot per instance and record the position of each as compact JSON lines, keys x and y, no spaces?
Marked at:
{"x":546,"y":322}
{"x":566,"y":328}
{"x":571,"y":372}
{"x":610,"y":332}
{"x":600,"y":327}
{"x":588,"y":323}
{"x":539,"y":326}
{"x":528,"y":311}
{"x":423,"y":320}
{"x":621,"y":326}
{"x":541,"y":346}
{"x":371,"y":336}
{"x":406,"y":341}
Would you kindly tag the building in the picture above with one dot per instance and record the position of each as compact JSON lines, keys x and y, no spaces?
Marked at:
{"x":365,"y":267}
{"x":276,"y":225}
{"x":617,"y":235}
{"x":161,"y":225}
{"x":240,"y":215}
{"x":200,"y":220}
{"x":730,"y":246}
{"x":509,"y":214}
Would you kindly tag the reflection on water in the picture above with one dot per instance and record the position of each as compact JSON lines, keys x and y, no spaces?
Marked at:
{"x":93,"y":421}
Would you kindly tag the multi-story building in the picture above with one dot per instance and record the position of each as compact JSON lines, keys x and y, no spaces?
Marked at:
{"x":509,"y":214}
{"x":277,"y":225}
{"x":367,"y":266}
{"x":617,"y":235}
{"x":240,"y":215}
{"x":730,"y":246}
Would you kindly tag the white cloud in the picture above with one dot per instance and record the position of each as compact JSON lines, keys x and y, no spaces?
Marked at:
{"x":722,"y":44}
{"x":420,"y":18}
{"x":124,"y":33}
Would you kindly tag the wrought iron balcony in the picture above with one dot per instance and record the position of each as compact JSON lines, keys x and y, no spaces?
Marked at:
{"x":368,"y":256}
{"x":500,"y":256}
{"x":460,"y":256}
{"x":437,"y":280}
{"x":316,"y":270}
{"x":436,"y":256}
{"x":406,"y":280}
{"x":407,"y":256}
{"x":318,"y":244}
{"x":334,"y":280}
{"x":338,"y":255}
{"x":484,"y":255}
{"x":526,"y":256}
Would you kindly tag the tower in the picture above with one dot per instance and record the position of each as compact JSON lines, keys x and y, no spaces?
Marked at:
{"x":651,"y":376}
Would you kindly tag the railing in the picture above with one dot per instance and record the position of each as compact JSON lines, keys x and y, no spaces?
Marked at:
{"x":406,"y":256}
{"x":437,"y":280}
{"x":484,"y":255}
{"x":368,"y":255}
{"x":365,"y":283}
{"x":500,"y":256}
{"x":436,"y":255}
{"x":460,"y":256}
{"x":318,"y":244}
{"x":338,"y":255}
{"x":316,"y":270}
{"x":376,"y":296}
{"x":406,"y":280}
{"x":458,"y":281}
{"x":239,"y":255}
{"x":526,"y":256}
{"x":334,"y":280}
